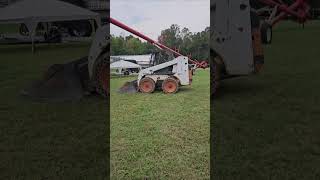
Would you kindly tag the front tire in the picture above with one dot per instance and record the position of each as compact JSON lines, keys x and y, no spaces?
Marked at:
{"x":170,"y":85}
{"x":147,"y":85}
{"x":101,"y":74}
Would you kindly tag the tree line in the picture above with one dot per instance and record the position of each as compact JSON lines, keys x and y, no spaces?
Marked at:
{"x":187,"y":43}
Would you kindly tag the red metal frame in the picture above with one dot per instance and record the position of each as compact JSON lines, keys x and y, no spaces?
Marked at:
{"x":299,"y":10}
{"x":202,"y":64}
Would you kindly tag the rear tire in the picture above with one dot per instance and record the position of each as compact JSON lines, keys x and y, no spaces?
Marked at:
{"x":215,"y":78}
{"x":101,"y":74}
{"x":147,"y":85}
{"x":170,"y":85}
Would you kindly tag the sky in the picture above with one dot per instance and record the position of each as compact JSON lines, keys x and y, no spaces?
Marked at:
{"x":151,"y":16}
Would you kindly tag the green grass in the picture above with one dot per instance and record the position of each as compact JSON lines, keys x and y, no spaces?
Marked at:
{"x":9,"y":28}
{"x":267,"y":126}
{"x":161,"y":136}
{"x":48,"y":140}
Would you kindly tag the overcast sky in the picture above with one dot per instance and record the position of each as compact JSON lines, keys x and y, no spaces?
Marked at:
{"x":152,"y":16}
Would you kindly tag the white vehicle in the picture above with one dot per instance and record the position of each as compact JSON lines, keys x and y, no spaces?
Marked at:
{"x":171,"y":75}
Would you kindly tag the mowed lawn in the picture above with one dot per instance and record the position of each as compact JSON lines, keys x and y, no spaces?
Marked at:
{"x":48,"y":140}
{"x":161,"y":136}
{"x":268,"y":126}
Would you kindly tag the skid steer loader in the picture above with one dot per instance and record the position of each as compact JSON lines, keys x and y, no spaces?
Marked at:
{"x":235,"y":42}
{"x":89,"y":75}
{"x":168,"y":75}
{"x":238,"y":30}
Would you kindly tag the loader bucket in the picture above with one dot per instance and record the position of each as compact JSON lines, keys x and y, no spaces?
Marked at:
{"x":129,"y":87}
{"x":61,"y":82}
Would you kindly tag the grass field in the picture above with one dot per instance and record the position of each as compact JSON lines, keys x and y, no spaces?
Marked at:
{"x":159,"y":135}
{"x":165,"y":137}
{"x":48,"y":141}
{"x":267,"y":126}
{"x":9,"y":28}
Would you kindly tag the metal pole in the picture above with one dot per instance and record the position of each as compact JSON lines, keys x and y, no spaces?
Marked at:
{"x":33,"y":47}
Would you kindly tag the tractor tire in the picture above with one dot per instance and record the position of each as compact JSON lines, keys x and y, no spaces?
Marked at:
{"x":101,"y":75}
{"x":147,"y":85}
{"x":214,"y":79}
{"x":170,"y":85}
{"x":215,"y":74}
{"x":266,"y":33}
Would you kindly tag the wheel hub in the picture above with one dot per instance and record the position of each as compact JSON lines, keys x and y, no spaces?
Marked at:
{"x":170,"y":85}
{"x":147,"y":85}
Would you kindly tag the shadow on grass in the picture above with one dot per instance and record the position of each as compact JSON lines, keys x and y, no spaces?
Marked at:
{"x":91,"y":97}
{"x":238,"y":87}
{"x":186,"y":89}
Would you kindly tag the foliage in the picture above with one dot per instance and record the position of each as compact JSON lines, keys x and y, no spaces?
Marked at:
{"x":186,"y":42}
{"x":129,"y":45}
{"x":48,"y":140}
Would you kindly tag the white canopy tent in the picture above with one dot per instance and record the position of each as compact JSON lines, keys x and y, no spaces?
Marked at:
{"x":122,"y":64}
{"x":32,"y":12}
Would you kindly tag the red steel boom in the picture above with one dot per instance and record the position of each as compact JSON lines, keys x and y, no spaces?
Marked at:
{"x":299,"y":9}
{"x":202,"y":64}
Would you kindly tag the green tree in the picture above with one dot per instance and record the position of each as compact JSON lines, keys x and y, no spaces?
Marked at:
{"x":134,"y":46}
{"x":171,"y":37}
{"x":195,"y":44}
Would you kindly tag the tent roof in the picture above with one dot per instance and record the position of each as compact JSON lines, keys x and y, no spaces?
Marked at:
{"x":123,"y":64}
{"x":139,"y":58}
{"x":43,"y":11}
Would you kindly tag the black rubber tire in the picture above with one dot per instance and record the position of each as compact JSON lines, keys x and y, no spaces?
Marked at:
{"x":266,"y":33}
{"x":215,"y":73}
{"x":215,"y":78}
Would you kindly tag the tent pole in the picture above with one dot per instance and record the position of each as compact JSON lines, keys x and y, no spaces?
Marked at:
{"x":33,"y":46}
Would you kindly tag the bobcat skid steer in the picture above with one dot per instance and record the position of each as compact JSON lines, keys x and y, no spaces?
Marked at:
{"x":235,"y":42}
